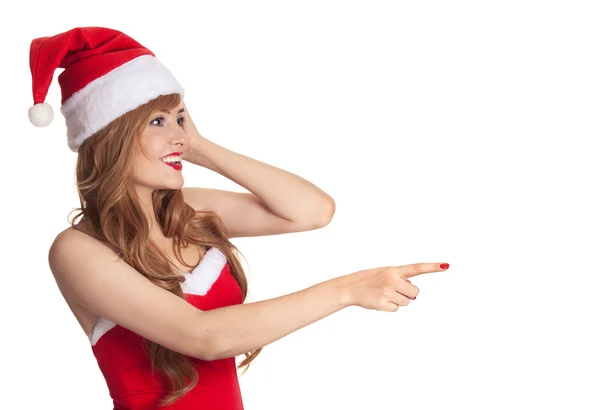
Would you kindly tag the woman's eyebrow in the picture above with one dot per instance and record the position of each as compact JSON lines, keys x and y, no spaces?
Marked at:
{"x":169,"y":112}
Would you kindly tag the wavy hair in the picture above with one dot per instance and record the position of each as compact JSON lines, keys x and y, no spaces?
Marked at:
{"x":115,"y":215}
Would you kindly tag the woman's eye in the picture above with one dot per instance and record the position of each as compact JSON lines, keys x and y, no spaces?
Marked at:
{"x":157,"y":119}
{"x":180,"y":120}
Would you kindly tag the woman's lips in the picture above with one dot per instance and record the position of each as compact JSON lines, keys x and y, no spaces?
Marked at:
{"x":173,"y":165}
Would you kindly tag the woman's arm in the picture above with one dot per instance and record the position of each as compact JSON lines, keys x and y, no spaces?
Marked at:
{"x":242,"y":328}
{"x":284,"y":194}
{"x":90,"y":274}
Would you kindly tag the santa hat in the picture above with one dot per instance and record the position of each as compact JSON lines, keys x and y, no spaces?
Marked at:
{"x":106,"y":74}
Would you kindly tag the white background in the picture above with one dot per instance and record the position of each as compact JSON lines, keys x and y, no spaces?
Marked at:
{"x":460,"y":132}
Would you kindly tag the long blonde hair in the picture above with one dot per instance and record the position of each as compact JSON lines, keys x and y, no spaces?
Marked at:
{"x":113,"y":211}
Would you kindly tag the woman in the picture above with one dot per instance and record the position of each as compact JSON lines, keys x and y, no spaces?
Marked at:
{"x":149,"y":271}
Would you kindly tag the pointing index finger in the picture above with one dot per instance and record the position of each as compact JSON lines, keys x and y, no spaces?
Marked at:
{"x":409,"y":271}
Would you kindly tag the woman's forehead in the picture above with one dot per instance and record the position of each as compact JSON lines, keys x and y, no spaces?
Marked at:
{"x":177,"y":110}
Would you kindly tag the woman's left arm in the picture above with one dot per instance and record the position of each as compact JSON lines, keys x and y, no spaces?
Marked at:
{"x":278,"y":202}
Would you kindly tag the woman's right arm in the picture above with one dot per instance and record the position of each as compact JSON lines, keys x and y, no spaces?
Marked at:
{"x":91,"y":275}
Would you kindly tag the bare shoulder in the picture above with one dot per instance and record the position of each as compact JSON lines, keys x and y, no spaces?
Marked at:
{"x":80,"y":231}
{"x":65,"y":242}
{"x":67,"y":249}
{"x":75,"y":240}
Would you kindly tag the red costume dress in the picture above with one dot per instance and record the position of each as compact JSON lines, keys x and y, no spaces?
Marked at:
{"x":126,"y":366}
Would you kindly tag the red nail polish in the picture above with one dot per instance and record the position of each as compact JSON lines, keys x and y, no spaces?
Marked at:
{"x":444,"y":266}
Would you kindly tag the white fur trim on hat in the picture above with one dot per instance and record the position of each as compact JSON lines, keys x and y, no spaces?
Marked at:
{"x":115,"y":93}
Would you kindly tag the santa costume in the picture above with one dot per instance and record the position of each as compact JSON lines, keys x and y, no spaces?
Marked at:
{"x":106,"y":74}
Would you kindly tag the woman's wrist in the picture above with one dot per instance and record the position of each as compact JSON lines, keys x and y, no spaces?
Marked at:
{"x":342,"y":290}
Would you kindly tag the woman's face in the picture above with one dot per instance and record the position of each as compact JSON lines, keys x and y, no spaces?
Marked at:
{"x":164,"y":134}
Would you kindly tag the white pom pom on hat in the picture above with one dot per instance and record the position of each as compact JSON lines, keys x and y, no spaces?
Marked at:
{"x":106,"y":74}
{"x":41,"y":115}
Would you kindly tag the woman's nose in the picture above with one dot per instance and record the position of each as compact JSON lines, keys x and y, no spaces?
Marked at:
{"x":179,"y":136}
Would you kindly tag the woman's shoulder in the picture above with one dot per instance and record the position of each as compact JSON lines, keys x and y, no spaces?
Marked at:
{"x":77,"y":233}
{"x":81,"y":227}
{"x":76,"y":239}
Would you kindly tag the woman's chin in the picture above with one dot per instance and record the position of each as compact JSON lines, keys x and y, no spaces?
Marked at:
{"x":171,"y":184}
{"x":175,"y":186}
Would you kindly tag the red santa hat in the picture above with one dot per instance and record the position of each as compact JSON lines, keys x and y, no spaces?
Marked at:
{"x":106,"y":74}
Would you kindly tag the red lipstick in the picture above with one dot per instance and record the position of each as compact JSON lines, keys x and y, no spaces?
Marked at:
{"x":172,"y":153}
{"x":177,"y":167}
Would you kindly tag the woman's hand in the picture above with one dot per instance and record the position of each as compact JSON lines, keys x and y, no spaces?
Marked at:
{"x":387,"y":288}
{"x":194,"y":137}
{"x":199,"y":148}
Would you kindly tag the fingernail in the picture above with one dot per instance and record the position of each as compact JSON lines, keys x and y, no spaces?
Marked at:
{"x":444,"y":266}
